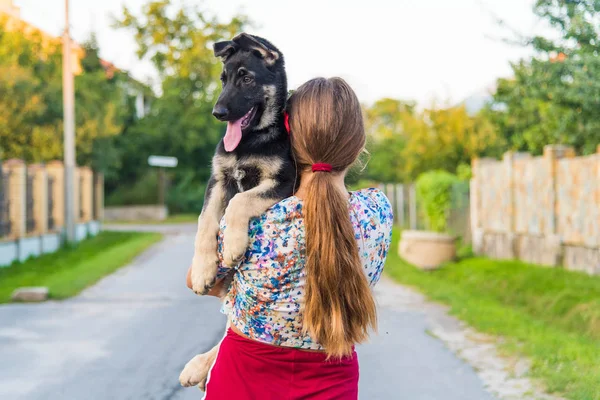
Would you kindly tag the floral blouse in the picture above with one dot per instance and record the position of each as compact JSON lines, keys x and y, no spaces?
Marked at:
{"x":265,"y":297}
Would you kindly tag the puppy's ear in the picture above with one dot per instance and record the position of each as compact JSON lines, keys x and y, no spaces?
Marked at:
{"x":224,"y":49}
{"x":249,"y":42}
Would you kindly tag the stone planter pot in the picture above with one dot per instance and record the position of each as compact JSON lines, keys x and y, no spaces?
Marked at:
{"x":427,"y":250}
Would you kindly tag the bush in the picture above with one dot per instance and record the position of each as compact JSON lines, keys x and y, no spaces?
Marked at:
{"x":434,"y":191}
{"x":186,"y":196}
{"x":144,"y":191}
{"x":464,"y":172}
{"x":184,"y":193}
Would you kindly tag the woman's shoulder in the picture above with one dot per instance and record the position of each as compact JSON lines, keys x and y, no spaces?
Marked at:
{"x":370,"y":200}
{"x":287,"y":209}
{"x":375,"y":201}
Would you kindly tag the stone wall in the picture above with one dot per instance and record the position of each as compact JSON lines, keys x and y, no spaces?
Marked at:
{"x":544,"y":210}
{"x":136,"y":213}
{"x":33,"y":196}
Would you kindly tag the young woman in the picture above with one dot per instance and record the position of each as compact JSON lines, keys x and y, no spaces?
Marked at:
{"x":301,"y":298}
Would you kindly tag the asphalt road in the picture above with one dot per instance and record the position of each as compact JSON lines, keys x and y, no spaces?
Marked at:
{"x":129,"y":336}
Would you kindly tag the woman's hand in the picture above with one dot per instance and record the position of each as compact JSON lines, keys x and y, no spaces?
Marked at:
{"x":215,"y":291}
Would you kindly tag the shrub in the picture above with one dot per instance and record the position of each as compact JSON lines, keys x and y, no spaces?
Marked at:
{"x":464,"y":172}
{"x":434,"y":192}
{"x":143,"y":191}
{"x":186,"y":196}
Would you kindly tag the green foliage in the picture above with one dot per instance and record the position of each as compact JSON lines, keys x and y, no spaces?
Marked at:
{"x":464,"y":172}
{"x":99,"y":111}
{"x":405,"y":142}
{"x":187,"y":195}
{"x":142,"y":192}
{"x":30,"y":97}
{"x":551,"y":316}
{"x":178,"y":41}
{"x":386,"y":163}
{"x":31,"y":114}
{"x":363,"y":184}
{"x":171,"y":219}
{"x":434,"y":191}
{"x":554,"y":97}
{"x":71,"y":269}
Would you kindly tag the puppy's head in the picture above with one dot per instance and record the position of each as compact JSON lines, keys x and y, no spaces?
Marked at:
{"x":254,"y":87}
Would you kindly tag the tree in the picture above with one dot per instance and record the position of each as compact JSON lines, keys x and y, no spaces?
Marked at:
{"x":178,"y":42}
{"x":554,"y":96}
{"x":99,"y":107}
{"x":31,"y":115}
{"x":404,"y":142}
{"x":30,"y":119}
{"x":386,"y":122}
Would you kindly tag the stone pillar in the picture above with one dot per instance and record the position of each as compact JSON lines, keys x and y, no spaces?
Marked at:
{"x":17,"y":181}
{"x":40,"y":197}
{"x":99,"y":196}
{"x":552,"y":153}
{"x":86,"y":194}
{"x":508,"y":160}
{"x":512,"y":240}
{"x":553,"y":246}
{"x":56,"y":172}
{"x":474,"y":208}
{"x":77,"y":200}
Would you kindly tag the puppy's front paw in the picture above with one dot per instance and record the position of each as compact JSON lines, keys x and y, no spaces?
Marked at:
{"x":204,"y":273}
{"x":235,"y":243}
{"x":196,"y":371}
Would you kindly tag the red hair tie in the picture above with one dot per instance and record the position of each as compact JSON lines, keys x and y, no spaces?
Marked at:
{"x":321,"y":167}
{"x":286,"y":121}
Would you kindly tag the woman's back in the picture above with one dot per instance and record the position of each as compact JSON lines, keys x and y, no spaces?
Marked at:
{"x":265,"y":299}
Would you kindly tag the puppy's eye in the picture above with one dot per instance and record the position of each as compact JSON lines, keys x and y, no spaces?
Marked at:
{"x":247,"y":79}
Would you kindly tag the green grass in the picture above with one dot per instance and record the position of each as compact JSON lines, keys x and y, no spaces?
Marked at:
{"x":70,"y":270}
{"x":171,"y":219}
{"x":549,"y":315}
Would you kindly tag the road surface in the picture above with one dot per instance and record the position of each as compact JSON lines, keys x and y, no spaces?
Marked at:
{"x":129,"y":336}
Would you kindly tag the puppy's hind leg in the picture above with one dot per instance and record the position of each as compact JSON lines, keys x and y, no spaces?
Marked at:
{"x":196,"y":371}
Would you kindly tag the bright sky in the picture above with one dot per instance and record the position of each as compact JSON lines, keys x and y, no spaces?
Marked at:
{"x":407,"y":49}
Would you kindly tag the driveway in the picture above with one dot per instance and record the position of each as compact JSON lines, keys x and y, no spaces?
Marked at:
{"x":129,"y":336}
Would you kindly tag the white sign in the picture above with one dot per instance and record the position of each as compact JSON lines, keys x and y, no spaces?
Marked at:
{"x":162,"y":161}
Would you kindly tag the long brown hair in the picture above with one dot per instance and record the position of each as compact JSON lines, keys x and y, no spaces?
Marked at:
{"x":327,"y":126}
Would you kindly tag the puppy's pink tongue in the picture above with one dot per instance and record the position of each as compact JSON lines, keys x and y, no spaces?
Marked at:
{"x":233,"y":135}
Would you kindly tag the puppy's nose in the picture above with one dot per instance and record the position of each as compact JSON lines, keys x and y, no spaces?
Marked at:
{"x":220,"y":112}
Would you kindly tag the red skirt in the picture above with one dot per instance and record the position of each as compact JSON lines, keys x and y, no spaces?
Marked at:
{"x":249,"y":370}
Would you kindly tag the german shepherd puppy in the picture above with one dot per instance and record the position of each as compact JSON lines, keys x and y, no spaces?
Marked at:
{"x":252,"y":169}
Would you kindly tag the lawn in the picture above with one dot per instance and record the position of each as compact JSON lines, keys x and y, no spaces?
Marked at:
{"x":171,"y":219}
{"x":549,"y":315}
{"x":70,"y":270}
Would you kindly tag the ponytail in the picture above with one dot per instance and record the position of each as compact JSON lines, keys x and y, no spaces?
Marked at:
{"x":327,"y":135}
{"x":339,"y":308}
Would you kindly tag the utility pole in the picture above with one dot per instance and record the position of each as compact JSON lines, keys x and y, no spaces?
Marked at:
{"x":69,"y":130}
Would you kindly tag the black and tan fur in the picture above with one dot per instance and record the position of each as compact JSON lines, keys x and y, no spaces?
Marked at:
{"x":248,"y":180}
{"x":260,"y":171}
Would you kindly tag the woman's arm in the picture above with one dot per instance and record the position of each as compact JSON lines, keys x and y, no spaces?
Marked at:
{"x":215,"y":291}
